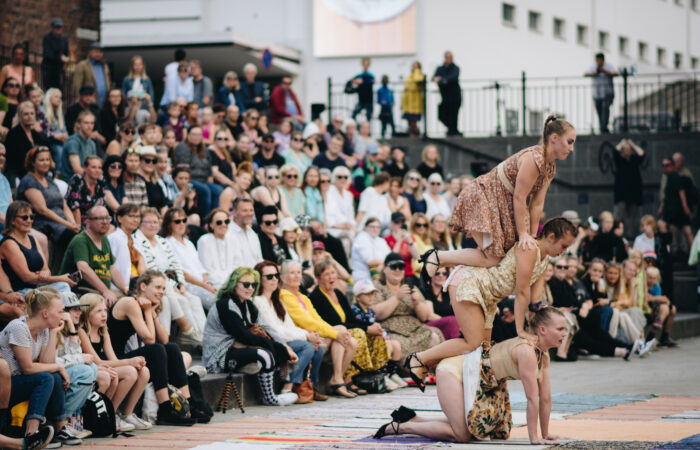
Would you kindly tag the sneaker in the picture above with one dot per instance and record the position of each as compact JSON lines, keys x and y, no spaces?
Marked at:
{"x":167,"y":415}
{"x":123,"y":425}
{"x":249,"y":369}
{"x":65,"y":437}
{"x":189,"y":339}
{"x":398,"y":380}
{"x":201,"y":371}
{"x":668,"y":342}
{"x":38,"y":440}
{"x":82,"y":434}
{"x":648,"y":347}
{"x":638,"y":344}
{"x":284,"y":399}
{"x":137,"y":422}
{"x":390,"y":385}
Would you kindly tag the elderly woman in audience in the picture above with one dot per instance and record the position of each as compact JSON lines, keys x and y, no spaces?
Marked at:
{"x":37,"y":187}
{"x":334,"y":308}
{"x":230,"y":344}
{"x":178,"y":304}
{"x":138,"y":315}
{"x":420,"y":232}
{"x":434,"y":200}
{"x":340,"y":213}
{"x":273,"y":317}
{"x":296,"y":202}
{"x":396,"y":200}
{"x":22,"y":259}
{"x":89,"y":189}
{"x":112,"y":171}
{"x":337,"y":338}
{"x":401,"y":309}
{"x":368,"y":251}
{"x":216,"y":249}
{"x":270,"y":194}
{"x":128,"y":260}
{"x":413,"y":191}
{"x":192,"y":153}
{"x":174,"y":230}
{"x":442,"y":316}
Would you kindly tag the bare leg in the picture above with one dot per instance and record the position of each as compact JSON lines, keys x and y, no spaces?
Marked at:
{"x":183,"y":324}
{"x":225,"y":199}
{"x":394,"y":350}
{"x":669,"y":319}
{"x":471,"y":320}
{"x":113,"y":384}
{"x":5,"y":385}
{"x":127,"y":379}
{"x":103,"y":380}
{"x":133,"y":398}
{"x":688,"y":233}
{"x":186,"y":359}
{"x":467,"y":256}
{"x":31,"y":426}
{"x":339,"y":357}
{"x":8,"y":442}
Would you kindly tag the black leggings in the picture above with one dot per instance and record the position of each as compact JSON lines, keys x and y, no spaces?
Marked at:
{"x":239,"y":357}
{"x":164,"y":362}
{"x":597,"y":341}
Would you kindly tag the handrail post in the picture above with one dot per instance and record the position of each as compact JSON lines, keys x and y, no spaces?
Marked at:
{"x":524,"y":107}
{"x":330,"y":97}
{"x":625,"y":111}
{"x":425,"y":106}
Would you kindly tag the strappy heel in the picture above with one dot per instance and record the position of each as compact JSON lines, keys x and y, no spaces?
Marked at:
{"x":420,"y":384}
{"x":402,"y":414}
{"x":424,"y":276}
{"x":381,"y":432}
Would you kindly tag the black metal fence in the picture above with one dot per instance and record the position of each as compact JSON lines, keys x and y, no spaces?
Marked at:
{"x":518,"y":106}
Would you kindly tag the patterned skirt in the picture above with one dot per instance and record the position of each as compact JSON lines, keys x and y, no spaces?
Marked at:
{"x":371,"y":355}
{"x":490,"y":416}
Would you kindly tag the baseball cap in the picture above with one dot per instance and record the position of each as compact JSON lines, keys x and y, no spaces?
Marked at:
{"x":649,"y":254}
{"x":147,"y":150}
{"x":70,"y":300}
{"x":57,"y":23}
{"x":572,"y":216}
{"x":392,"y":257}
{"x":95,"y":46}
{"x":372,"y":148}
{"x":318,"y":245}
{"x":288,"y":224}
{"x":363,"y":287}
{"x":398,"y":217}
{"x":86,"y":89}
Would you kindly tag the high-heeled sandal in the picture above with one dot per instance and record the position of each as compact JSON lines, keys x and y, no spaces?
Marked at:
{"x":420,"y":384}
{"x":424,"y":275}
{"x":381,"y":432}
{"x":403,"y":414}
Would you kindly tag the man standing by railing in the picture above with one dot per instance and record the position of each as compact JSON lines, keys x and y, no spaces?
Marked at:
{"x":55,"y":55}
{"x":603,"y":92}
{"x":447,"y":78}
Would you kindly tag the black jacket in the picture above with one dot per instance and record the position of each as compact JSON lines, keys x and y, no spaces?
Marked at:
{"x":324,"y":309}
{"x":268,"y":253}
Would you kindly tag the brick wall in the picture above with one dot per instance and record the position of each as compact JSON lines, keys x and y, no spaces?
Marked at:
{"x":29,"y":20}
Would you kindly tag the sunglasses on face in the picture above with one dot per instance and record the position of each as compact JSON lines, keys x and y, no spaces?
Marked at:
{"x":292,"y":175}
{"x":342,"y":177}
{"x":100,"y":219}
{"x":128,"y":131}
{"x":441,"y":274}
{"x":268,"y":141}
{"x":253,"y":117}
{"x":27,"y":217}
{"x":413,"y":178}
{"x":562,"y":267}
{"x":324,"y":181}
{"x":273,"y":177}
{"x":272,"y":276}
{"x":249,"y":285}
{"x":222,"y":138}
{"x":269,"y":222}
{"x":12,"y":85}
{"x":397,"y":266}
{"x":179,"y":221}
{"x":218,"y":223}
{"x":421,"y":225}
{"x":149,"y":160}
{"x":116,"y":166}
{"x":296,"y":139}
{"x":435,"y":183}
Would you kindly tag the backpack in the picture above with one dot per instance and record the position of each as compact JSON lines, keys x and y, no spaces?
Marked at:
{"x":98,"y":415}
{"x":196,"y":395}
{"x":179,"y":402}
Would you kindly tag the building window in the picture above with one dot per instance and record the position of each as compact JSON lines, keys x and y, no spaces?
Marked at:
{"x":677,"y":60}
{"x":603,"y":40}
{"x":623,"y":45}
{"x":643,"y":50}
{"x":694,"y":63}
{"x":582,"y":34}
{"x":660,"y":56}
{"x":508,"y":14}
{"x":533,"y":20}
{"x":559,"y":28}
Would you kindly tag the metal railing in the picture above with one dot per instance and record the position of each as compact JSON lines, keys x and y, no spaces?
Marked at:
{"x":518,"y":106}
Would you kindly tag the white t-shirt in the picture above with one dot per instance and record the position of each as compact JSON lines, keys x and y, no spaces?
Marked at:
{"x":17,"y":333}
{"x":435,"y":207}
{"x":374,"y":204}
{"x":643,"y":243}
{"x":119,"y":243}
{"x":187,"y":255}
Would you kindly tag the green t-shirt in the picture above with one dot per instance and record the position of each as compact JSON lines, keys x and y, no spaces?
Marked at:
{"x":81,"y":248}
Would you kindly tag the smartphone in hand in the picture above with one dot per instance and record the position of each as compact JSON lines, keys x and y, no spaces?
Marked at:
{"x":76,"y":276}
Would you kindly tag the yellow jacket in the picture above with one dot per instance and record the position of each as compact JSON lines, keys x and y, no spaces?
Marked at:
{"x":306,"y":316}
{"x":412,"y":97}
{"x":422,"y":247}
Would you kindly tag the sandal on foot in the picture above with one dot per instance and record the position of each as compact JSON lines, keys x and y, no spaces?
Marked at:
{"x":424,"y":275}
{"x":381,"y":432}
{"x":356,"y":389}
{"x":402,"y":414}
{"x":334,"y":389}
{"x":420,"y":384}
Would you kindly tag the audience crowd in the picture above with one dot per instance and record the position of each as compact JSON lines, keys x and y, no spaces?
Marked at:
{"x":226,"y":225}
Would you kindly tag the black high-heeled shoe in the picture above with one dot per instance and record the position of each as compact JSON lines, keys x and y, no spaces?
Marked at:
{"x":424,"y":276}
{"x":381,"y":432}
{"x":403,"y":414}
{"x":420,"y":384}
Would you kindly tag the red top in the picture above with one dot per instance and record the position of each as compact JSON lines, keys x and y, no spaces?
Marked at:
{"x":278,"y":104}
{"x":404,"y":251}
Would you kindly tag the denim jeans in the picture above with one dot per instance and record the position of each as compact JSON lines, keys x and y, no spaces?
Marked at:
{"x":602,"y":107}
{"x":60,"y":286}
{"x":306,"y":353}
{"x":208,"y":194}
{"x":82,"y":378}
{"x":45,"y":394}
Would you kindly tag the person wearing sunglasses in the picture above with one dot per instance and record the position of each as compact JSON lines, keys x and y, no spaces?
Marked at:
{"x":413,"y":191}
{"x":230,"y":345}
{"x":420,"y":232}
{"x":11,"y":90}
{"x":442,"y":315}
{"x":222,"y":167}
{"x":147,"y":171}
{"x":112,"y":171}
{"x":123,"y":140}
{"x":270,"y":193}
{"x":284,"y":104}
{"x":268,"y":156}
{"x":308,"y":345}
{"x":294,"y":153}
{"x":340,"y":212}
{"x":273,"y":247}
{"x":216,"y":249}
{"x":296,"y":202}
{"x":434,"y":199}
{"x":89,"y":189}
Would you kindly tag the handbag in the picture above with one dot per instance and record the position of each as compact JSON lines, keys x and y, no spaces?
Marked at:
{"x":372,"y":382}
{"x":305,"y":391}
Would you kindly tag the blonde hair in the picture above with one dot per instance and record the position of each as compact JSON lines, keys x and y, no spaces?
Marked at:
{"x":131,"y":67}
{"x":418,"y":191}
{"x":54,"y":116}
{"x":648,"y":219}
{"x":654,"y":272}
{"x":424,"y":153}
{"x":39,"y":299}
{"x":90,"y":302}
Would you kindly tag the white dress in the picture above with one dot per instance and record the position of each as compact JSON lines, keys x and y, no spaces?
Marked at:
{"x":339,"y":210}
